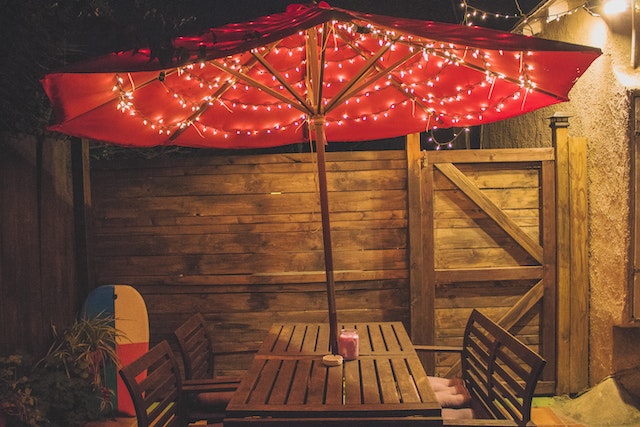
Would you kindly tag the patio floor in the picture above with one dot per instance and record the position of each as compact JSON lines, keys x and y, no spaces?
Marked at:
{"x":546,"y":417}
{"x":606,"y":404}
{"x":541,"y":416}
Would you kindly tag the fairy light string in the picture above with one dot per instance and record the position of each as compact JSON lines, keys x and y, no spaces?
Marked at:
{"x":473,"y":14}
{"x":556,"y":15}
{"x":127,"y":106}
{"x":448,"y":144}
{"x":185,"y":85}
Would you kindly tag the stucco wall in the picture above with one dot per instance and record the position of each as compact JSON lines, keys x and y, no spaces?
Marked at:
{"x":599,"y":110}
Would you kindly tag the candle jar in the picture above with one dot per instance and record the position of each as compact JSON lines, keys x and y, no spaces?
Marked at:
{"x":349,"y":344}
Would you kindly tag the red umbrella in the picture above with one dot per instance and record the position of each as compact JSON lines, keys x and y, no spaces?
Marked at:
{"x":312,"y":72}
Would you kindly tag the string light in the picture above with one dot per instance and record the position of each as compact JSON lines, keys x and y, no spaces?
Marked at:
{"x":532,"y":26}
{"x":226,"y":87}
{"x":127,"y":106}
{"x":449,"y":144}
{"x":473,"y":13}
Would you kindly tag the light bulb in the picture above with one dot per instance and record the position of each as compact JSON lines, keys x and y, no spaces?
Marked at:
{"x":613,"y":7}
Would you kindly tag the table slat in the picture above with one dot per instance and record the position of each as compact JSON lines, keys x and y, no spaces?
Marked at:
{"x":378,"y":344}
{"x":317,"y":384}
{"x":391,"y":338}
{"x":335,"y":385}
{"x":369,"y":381}
{"x":406,"y":384}
{"x":270,"y":340}
{"x":402,"y":337}
{"x":280,"y":391}
{"x":298,"y":337}
{"x":421,"y":380}
{"x":352,"y":391}
{"x":264,"y":385}
{"x":387,"y":382}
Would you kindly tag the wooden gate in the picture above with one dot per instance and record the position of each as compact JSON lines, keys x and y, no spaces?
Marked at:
{"x":488,"y":242}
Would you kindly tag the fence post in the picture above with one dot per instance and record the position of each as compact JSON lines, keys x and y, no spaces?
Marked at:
{"x":572,"y":265}
{"x":82,"y":215}
{"x":421,"y":306}
{"x":559,"y":124}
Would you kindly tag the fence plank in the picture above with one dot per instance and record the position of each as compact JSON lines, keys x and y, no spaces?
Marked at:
{"x":563,"y":261}
{"x":579,"y":264}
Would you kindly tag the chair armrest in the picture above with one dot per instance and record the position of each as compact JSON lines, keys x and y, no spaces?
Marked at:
{"x":438,"y":348}
{"x":232,"y":352}
{"x":480,"y":423}
{"x":208,"y":385}
{"x":219,"y":379}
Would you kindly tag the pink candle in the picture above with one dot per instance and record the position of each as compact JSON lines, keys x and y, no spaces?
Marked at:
{"x":349,"y":344}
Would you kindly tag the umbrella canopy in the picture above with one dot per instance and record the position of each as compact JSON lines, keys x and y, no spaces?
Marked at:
{"x":312,"y":72}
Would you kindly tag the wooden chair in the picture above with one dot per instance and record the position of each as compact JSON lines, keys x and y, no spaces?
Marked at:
{"x":499,"y":373}
{"x":195,"y":344}
{"x":155,"y":384}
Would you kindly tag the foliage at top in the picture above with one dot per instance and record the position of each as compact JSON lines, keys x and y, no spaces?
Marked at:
{"x":39,"y":37}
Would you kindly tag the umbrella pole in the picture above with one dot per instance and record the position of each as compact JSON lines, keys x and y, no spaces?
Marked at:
{"x":321,"y":141}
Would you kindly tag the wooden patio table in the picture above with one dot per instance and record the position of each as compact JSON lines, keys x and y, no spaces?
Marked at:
{"x":288,"y":384}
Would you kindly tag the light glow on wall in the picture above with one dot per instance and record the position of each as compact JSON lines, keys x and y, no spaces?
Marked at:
{"x":598,"y":33}
{"x":614,"y":7}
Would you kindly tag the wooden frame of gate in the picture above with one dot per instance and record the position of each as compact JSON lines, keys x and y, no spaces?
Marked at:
{"x":524,"y":249}
{"x":486,"y":237}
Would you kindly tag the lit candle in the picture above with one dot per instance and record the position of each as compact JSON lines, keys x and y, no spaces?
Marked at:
{"x":349,"y":344}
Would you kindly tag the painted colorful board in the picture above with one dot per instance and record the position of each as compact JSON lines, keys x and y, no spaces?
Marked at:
{"x":126,"y":305}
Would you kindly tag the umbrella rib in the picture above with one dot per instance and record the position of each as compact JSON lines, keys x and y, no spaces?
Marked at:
{"x":321,"y":63}
{"x":205,"y":105}
{"x":422,"y":46}
{"x":313,"y":75}
{"x":346,"y":91}
{"x":514,"y":81}
{"x":281,"y":80}
{"x":203,"y":108}
{"x":354,"y":89}
{"x":253,"y":82}
{"x":118,"y":98}
{"x":316,"y":67}
{"x":394,"y":80}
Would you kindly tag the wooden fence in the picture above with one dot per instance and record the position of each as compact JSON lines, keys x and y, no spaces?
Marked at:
{"x":419,"y":237}
{"x":239,"y":239}
{"x":41,"y":285}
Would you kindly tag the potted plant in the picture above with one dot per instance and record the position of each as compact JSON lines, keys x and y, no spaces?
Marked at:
{"x":66,"y":387}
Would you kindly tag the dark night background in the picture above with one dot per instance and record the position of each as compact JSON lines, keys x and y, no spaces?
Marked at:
{"x":40,"y":36}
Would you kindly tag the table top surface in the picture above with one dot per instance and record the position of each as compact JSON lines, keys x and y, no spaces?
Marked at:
{"x":288,"y":379}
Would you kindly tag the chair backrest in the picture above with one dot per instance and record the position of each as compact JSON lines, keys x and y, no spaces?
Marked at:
{"x":157,"y":396}
{"x":515,"y":374}
{"x":195,"y":344}
{"x":477,"y":352}
{"x":499,"y":370}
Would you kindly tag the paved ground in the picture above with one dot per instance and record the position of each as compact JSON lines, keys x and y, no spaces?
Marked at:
{"x":605,"y":405}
